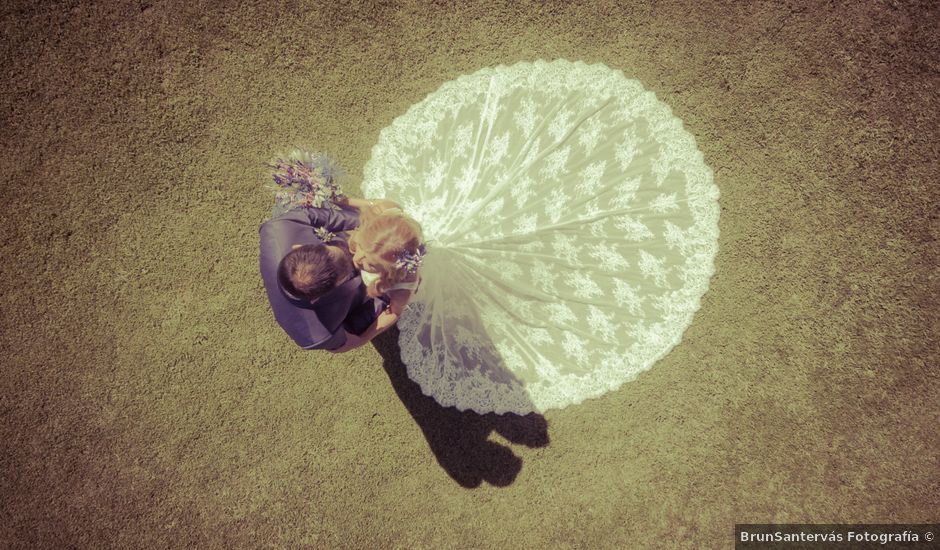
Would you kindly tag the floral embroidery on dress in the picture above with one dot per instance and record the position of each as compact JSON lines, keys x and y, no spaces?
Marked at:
{"x":575,"y":225}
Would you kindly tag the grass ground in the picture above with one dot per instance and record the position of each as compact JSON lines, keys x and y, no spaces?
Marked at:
{"x":149,"y":400}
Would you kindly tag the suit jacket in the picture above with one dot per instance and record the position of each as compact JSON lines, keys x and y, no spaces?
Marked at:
{"x":323,"y":324}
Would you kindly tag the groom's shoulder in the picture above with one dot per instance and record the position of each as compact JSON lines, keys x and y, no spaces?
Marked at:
{"x":294,"y":215}
{"x":315,"y":217}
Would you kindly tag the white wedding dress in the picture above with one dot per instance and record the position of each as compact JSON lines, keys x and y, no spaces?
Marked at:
{"x":571,"y":226}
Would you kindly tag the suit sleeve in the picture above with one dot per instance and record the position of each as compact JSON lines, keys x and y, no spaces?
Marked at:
{"x":336,"y":340}
{"x":333,"y":221}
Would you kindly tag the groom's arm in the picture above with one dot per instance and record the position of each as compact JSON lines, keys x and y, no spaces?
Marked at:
{"x":353,"y":341}
{"x":333,"y":221}
{"x":300,"y":218}
{"x":336,"y":221}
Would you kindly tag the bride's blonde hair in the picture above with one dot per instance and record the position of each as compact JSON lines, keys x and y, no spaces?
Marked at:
{"x":383,"y":239}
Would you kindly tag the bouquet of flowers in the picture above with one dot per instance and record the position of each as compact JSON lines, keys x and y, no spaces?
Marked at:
{"x":303,"y":178}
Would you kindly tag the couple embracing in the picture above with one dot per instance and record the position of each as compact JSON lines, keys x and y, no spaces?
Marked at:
{"x":340,"y":270}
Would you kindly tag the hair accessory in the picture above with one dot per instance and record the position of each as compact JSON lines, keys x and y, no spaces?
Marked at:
{"x":302,"y":178}
{"x":411,"y":261}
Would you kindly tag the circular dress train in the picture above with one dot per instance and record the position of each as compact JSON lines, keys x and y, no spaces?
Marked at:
{"x":571,"y":227}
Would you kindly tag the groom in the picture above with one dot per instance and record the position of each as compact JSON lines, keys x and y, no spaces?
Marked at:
{"x":315,"y":292}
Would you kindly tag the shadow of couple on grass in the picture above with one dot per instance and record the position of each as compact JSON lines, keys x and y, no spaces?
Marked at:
{"x":460,"y":440}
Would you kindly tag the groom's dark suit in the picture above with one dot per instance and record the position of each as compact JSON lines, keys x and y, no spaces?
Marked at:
{"x":323,"y":324}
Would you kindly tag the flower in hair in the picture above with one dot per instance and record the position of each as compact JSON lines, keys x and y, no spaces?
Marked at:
{"x":411,"y":261}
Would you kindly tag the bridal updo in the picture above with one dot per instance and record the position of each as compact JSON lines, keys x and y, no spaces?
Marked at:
{"x":383,"y":240}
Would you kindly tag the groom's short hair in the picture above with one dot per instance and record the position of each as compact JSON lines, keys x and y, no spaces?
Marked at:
{"x":310,"y":271}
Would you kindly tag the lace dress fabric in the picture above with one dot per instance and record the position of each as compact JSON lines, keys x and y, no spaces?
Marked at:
{"x":571,"y":225}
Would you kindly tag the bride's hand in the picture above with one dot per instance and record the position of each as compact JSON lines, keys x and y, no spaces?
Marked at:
{"x":381,"y":205}
{"x":386,"y":319}
{"x":374,"y":206}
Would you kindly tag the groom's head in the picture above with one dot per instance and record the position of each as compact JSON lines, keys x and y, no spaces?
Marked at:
{"x":312,"y":270}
